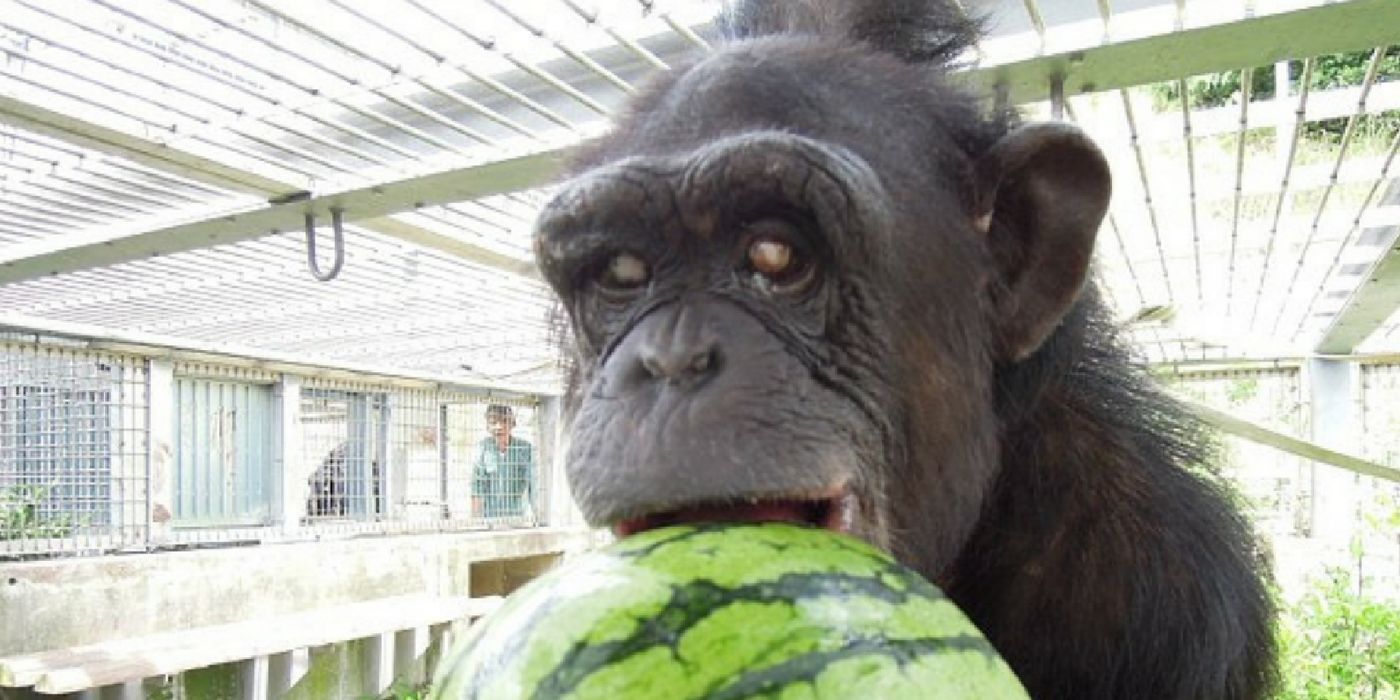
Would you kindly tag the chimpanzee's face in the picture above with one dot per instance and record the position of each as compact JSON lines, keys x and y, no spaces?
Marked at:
{"x":782,"y":305}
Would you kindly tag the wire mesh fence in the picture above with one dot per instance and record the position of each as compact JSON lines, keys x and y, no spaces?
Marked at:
{"x":343,"y":442}
{"x":493,"y":467}
{"x":1279,"y":485}
{"x":1378,"y":553}
{"x":456,"y":460}
{"x":1298,"y":505}
{"x":73,"y":450}
{"x":248,"y":459}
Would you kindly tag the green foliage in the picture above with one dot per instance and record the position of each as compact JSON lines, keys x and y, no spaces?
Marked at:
{"x":1214,"y":90}
{"x":1347,"y":69}
{"x":20,"y":516}
{"x":1338,"y":644}
{"x":1242,"y":391}
{"x":159,"y":688}
{"x":1332,"y":71}
{"x":403,"y":690}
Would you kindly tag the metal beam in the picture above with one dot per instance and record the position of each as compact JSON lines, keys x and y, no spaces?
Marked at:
{"x":147,"y":152}
{"x":57,"y":255}
{"x":1336,"y":27}
{"x":1178,"y":368}
{"x":368,"y":207}
{"x":152,"y":345}
{"x":465,"y":250}
{"x":1292,"y":445}
{"x":1333,"y":388}
{"x":1375,"y":299}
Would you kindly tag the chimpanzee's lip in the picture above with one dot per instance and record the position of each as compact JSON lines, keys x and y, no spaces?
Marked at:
{"x":833,"y":510}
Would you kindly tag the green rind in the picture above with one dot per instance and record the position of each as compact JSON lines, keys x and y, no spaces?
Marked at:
{"x":727,"y":612}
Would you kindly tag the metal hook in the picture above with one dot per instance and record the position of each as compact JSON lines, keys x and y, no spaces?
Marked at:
{"x":337,"y":220}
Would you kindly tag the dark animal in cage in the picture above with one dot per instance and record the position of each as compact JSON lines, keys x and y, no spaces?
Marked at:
{"x":332,"y":489}
{"x":326,"y":496}
{"x":807,"y":278}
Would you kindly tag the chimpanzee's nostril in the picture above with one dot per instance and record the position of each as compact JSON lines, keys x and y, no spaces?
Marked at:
{"x":678,"y":363}
{"x":652,"y":364}
{"x":702,"y":362}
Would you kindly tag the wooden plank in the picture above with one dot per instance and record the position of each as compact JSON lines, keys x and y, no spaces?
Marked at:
{"x":95,"y":665}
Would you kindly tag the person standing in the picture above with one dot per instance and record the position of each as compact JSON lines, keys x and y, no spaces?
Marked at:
{"x":504,"y":469}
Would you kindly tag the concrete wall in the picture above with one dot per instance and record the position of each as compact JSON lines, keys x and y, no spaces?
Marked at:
{"x":53,"y":604}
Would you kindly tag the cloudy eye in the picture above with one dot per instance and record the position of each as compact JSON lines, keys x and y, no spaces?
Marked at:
{"x":625,"y":272}
{"x":777,"y":266}
{"x":771,"y":258}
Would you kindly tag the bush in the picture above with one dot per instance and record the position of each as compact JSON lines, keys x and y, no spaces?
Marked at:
{"x":1338,"y":644}
{"x":21,"y":518}
{"x":402,"y":690}
{"x":1332,"y":71}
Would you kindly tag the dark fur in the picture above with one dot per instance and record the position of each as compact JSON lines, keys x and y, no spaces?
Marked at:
{"x":1054,"y":498}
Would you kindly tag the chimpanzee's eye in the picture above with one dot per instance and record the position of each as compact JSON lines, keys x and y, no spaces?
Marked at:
{"x":772,"y":258}
{"x":624,"y":273}
{"x":775,"y":263}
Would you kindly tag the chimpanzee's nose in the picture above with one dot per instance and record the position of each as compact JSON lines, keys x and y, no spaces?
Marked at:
{"x":675,"y":345}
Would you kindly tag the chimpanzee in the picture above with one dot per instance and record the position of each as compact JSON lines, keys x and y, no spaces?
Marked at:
{"x":330,"y":492}
{"x":809,"y":279}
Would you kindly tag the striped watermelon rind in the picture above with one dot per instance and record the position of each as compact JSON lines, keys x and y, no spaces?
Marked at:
{"x":727,"y":611}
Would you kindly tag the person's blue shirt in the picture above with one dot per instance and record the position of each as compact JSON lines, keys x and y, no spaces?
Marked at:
{"x":502,"y":479}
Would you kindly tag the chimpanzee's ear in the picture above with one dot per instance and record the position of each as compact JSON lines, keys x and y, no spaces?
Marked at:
{"x":1042,"y":191}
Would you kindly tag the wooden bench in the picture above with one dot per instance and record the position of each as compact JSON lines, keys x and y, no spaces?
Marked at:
{"x":131,"y":659}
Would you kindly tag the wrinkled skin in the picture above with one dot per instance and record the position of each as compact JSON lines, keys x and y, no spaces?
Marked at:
{"x":930,"y":363}
{"x":803,"y":398}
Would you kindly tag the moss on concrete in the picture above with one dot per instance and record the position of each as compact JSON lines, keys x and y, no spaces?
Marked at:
{"x":222,"y":682}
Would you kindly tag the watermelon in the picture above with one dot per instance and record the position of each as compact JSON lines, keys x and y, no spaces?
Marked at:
{"x":725,"y":611}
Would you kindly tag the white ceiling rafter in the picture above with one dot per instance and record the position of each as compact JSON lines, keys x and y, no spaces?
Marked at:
{"x":148,"y":151}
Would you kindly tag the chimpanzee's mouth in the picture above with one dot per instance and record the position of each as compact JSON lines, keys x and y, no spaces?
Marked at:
{"x":834,"y":512}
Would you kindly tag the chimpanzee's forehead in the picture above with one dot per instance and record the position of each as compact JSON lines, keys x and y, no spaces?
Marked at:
{"x":721,"y":184}
{"x":808,"y":87}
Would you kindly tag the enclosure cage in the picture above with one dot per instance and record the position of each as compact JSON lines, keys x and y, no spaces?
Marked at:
{"x":264,"y":264}
{"x":267,"y":277}
{"x":246,"y":454}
